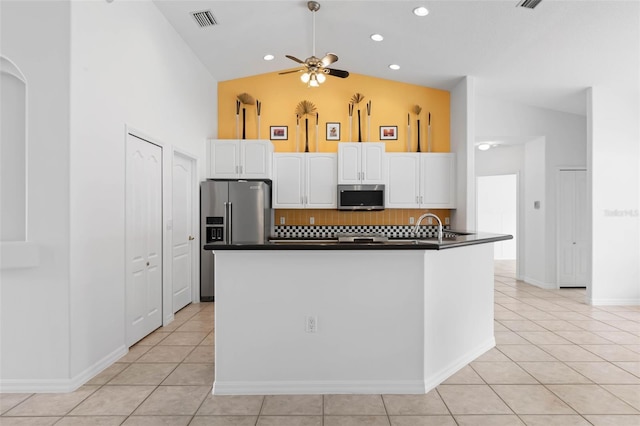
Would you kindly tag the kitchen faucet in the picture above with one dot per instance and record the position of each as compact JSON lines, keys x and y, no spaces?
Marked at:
{"x":415,"y":229}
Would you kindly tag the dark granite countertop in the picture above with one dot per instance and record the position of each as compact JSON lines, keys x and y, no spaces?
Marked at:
{"x":453,"y":239}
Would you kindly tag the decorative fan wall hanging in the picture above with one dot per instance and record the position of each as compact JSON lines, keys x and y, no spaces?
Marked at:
{"x":314,"y":69}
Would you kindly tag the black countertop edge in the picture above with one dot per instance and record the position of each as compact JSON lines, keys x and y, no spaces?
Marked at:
{"x":431,"y":244}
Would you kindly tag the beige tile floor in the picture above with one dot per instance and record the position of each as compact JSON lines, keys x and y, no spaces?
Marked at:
{"x":558,"y":361}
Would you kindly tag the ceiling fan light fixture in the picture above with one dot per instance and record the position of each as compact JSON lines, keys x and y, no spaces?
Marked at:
{"x":421,"y":11}
{"x":321,"y":78}
{"x":305,"y":77}
{"x":313,"y":82}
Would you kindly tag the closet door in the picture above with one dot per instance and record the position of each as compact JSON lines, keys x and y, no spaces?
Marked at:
{"x":143,"y":238}
{"x":183,"y":231}
{"x":572,"y":229}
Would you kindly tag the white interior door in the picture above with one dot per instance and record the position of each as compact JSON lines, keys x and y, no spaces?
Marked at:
{"x":143,"y":238}
{"x":183,"y":231}
{"x":572,"y":229}
{"x":497,"y":201}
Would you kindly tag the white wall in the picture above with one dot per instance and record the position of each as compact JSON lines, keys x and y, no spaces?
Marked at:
{"x":565,"y":140}
{"x":34,"y":306}
{"x":463,"y":115}
{"x":129,"y":68}
{"x":502,"y":160}
{"x":535,"y":217}
{"x":614,"y":183}
{"x":92,"y":68}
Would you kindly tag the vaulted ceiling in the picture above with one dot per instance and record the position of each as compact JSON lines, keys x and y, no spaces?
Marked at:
{"x":545,"y":56}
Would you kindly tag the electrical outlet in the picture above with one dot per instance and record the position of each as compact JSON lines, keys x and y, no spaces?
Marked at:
{"x":412,"y":220}
{"x":311,"y":324}
{"x":281,"y":220}
{"x":430,"y":220}
{"x":312,"y":220}
{"x":446,"y":220}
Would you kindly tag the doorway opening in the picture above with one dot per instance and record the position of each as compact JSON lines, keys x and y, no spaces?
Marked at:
{"x":497,"y":212}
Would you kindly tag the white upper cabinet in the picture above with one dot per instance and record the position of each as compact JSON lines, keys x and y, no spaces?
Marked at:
{"x":321,"y":181}
{"x":233,"y":159}
{"x":438,"y":180}
{"x":402,"y":190}
{"x":361,"y":162}
{"x":416,"y":180}
{"x":305,"y":180}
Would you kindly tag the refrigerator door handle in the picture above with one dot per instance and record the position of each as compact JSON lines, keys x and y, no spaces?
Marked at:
{"x":226,"y":222}
{"x":230,"y":224}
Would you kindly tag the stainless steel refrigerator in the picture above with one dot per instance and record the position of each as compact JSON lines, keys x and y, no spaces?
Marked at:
{"x":231,"y":212}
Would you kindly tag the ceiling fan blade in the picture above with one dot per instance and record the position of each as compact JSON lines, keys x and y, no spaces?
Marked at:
{"x":293,"y":58}
{"x":329,"y":59}
{"x":336,"y":73}
{"x":290,"y":71}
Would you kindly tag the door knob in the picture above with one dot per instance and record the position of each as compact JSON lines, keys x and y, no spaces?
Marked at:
{"x":191,"y":238}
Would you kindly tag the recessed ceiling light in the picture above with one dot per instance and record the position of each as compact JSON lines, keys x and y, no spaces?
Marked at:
{"x":421,"y":11}
{"x":377,"y":37}
{"x":268,"y":57}
{"x":484,"y":146}
{"x":394,"y":66}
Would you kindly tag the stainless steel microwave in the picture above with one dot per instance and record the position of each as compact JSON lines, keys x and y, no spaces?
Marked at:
{"x":360,"y":197}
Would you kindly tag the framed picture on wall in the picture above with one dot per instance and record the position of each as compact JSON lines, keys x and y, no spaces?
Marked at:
{"x":388,"y":133}
{"x":279,"y":133}
{"x":333,"y":131}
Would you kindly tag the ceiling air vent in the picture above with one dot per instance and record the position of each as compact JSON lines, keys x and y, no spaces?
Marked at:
{"x":529,"y":4}
{"x":204,"y":18}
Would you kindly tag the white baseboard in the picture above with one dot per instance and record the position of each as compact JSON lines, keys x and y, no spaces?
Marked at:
{"x":319,"y":387}
{"x":349,"y":387}
{"x":614,"y":302}
{"x":442,"y":375}
{"x":541,"y":284}
{"x":61,"y":385}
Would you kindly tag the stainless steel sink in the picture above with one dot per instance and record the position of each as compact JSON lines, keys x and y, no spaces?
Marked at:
{"x":413,"y":241}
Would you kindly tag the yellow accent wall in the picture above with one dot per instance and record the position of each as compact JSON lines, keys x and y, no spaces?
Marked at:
{"x":391,"y":103}
{"x":280,"y":94}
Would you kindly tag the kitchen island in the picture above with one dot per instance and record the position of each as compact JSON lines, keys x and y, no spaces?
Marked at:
{"x":323,"y":317}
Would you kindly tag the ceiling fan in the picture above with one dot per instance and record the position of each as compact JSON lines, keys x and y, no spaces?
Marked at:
{"x":314,"y":68}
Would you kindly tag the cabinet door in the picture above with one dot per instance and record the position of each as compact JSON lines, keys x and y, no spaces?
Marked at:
{"x":322,"y":181}
{"x":438,"y":181}
{"x":255,"y":159}
{"x":372,"y":162}
{"x":224,"y":159}
{"x":349,"y":163}
{"x":403,"y":180}
{"x":288,"y":181}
